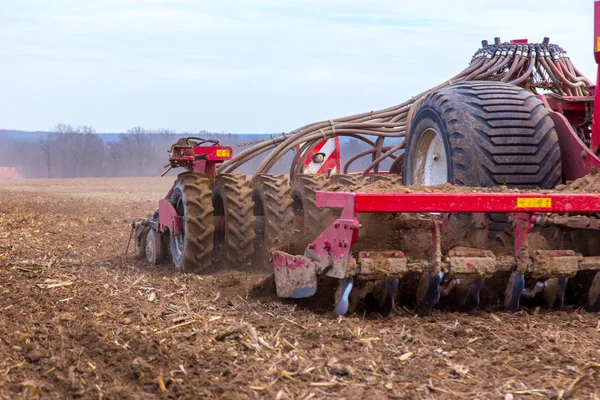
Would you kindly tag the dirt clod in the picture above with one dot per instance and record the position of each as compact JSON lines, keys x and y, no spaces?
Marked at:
{"x":34,"y":356}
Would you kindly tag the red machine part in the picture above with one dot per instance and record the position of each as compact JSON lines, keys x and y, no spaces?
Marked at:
{"x":324,"y":158}
{"x":168,"y":217}
{"x":198,"y":158}
{"x":353,"y":203}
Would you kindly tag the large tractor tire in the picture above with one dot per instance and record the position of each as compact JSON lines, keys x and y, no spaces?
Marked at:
{"x":192,"y":198}
{"x":273,"y":216}
{"x":483,"y":134}
{"x":234,"y":221}
{"x":309,"y":219}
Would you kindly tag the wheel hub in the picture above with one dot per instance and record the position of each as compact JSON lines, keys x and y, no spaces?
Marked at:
{"x":430,"y":160}
{"x":149,"y":250}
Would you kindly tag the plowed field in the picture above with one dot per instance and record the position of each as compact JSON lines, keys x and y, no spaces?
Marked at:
{"x":80,"y":319}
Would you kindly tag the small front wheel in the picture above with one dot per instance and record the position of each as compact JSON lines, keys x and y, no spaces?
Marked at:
{"x":154,"y":247}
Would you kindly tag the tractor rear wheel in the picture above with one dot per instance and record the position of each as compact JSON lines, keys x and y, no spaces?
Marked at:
{"x":234,"y":221}
{"x":483,"y":134}
{"x":192,"y":199}
{"x":273,"y":216}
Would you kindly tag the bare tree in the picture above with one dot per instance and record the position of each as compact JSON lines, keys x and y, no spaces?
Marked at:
{"x":79,"y":152}
{"x":45,"y":150}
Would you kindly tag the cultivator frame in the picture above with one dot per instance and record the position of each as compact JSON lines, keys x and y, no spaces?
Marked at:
{"x":489,"y":115}
{"x":330,"y":253}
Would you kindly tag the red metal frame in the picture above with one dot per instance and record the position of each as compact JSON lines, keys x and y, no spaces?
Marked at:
{"x":217,"y":153}
{"x":353,"y":203}
{"x":577,"y":159}
{"x":168,"y":218}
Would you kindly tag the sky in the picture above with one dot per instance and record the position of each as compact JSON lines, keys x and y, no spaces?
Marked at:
{"x":250,"y":66}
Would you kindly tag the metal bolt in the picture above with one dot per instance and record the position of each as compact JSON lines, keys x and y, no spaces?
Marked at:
{"x":583,"y":154}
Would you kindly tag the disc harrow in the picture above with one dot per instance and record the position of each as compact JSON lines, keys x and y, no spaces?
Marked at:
{"x":461,"y":270}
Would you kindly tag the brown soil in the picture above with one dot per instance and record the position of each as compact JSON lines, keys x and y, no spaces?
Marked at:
{"x":80,"y":319}
{"x":588,"y":184}
{"x":397,"y":187}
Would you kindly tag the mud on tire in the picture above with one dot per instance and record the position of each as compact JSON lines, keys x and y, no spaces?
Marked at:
{"x":273,"y":216}
{"x":192,"y":199}
{"x":391,"y":178}
{"x":344,"y":180}
{"x":234,"y":230}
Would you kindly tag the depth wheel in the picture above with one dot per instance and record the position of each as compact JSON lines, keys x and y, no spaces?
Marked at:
{"x":234,"y":221}
{"x":273,"y":216}
{"x":594,"y":294}
{"x":192,"y":199}
{"x":154,"y":247}
{"x":309,"y":219}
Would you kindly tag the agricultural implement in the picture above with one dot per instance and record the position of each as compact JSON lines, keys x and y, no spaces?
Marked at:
{"x":518,"y":121}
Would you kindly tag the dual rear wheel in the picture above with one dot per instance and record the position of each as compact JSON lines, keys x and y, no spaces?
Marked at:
{"x":217,"y":222}
{"x":229,"y":223}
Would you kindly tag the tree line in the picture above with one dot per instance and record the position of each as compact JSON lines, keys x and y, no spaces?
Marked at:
{"x":80,"y":152}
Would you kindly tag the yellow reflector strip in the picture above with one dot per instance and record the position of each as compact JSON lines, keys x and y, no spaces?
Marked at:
{"x":222,"y":153}
{"x":534,"y":202}
{"x":598,"y":43}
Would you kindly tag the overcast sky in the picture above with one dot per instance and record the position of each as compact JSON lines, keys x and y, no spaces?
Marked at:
{"x":250,"y":65}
